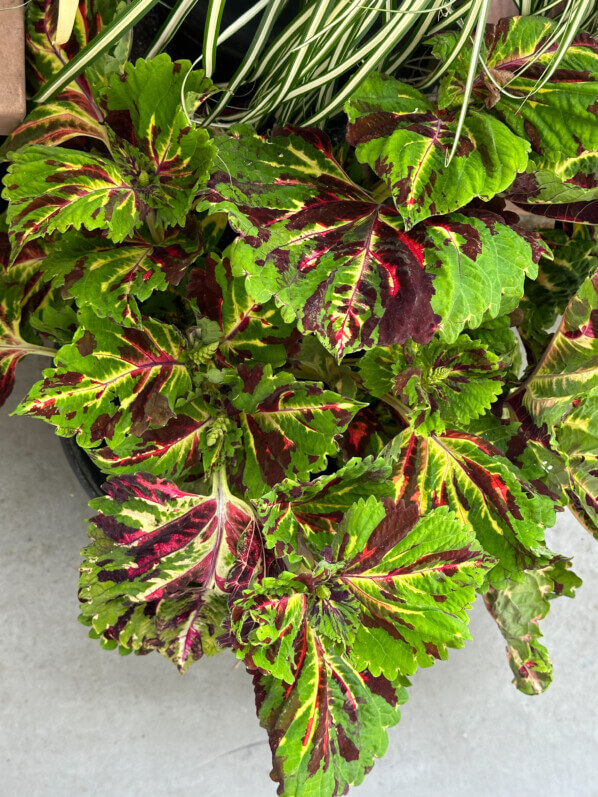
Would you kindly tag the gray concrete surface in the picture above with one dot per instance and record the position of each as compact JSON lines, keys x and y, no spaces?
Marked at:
{"x":77,"y":720}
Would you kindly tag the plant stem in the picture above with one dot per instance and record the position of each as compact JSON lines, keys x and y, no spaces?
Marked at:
{"x":397,"y":405}
{"x":29,"y":348}
{"x":155,"y":230}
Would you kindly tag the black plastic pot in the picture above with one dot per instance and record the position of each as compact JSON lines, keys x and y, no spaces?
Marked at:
{"x":88,"y":475}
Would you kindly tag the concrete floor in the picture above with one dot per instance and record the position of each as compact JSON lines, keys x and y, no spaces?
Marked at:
{"x":75,"y":719}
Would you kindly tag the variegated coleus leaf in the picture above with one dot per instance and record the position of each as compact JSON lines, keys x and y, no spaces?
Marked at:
{"x":559,"y":119}
{"x":414,"y":579}
{"x":112,"y":381}
{"x":517,"y":609}
{"x":563,"y":458}
{"x":302,"y":518}
{"x":327,"y":727}
{"x":555,"y":184}
{"x":565,"y":470}
{"x":561,"y":398}
{"x":268,"y":622}
{"x":477,"y":482}
{"x":568,"y":369}
{"x":162,"y":563}
{"x":247,"y":330}
{"x":561,"y":192}
{"x":390,"y":594}
{"x":575,"y":258}
{"x":71,"y":114}
{"x":340,"y":262}
{"x":152,"y":174}
{"x":45,"y":315}
{"x":13,"y":347}
{"x":289,"y":428}
{"x":27,"y":272}
{"x":173,"y":451}
{"x":114,"y":278}
{"x":577,"y":443}
{"x":57,"y":189}
{"x":479,"y":261}
{"x":146,"y":119}
{"x":406,"y":140}
{"x":269,"y":428}
{"x":335,"y":258}
{"x":437,"y":384}
{"x":575,"y":212}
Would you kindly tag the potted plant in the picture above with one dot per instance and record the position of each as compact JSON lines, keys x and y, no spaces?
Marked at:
{"x":336,"y":386}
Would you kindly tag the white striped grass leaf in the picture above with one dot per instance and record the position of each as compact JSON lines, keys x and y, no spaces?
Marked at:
{"x":67,"y":10}
{"x":171,"y":25}
{"x":210,"y":35}
{"x":484,"y":7}
{"x":271,"y":13}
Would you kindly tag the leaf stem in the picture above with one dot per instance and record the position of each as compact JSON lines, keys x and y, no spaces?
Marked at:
{"x":397,"y":405}
{"x":155,"y":230}
{"x":29,"y":348}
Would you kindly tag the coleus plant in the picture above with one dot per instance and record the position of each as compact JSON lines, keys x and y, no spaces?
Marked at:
{"x":325,"y":431}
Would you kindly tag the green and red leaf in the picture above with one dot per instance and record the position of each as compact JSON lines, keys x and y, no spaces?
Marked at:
{"x":577,"y":443}
{"x":558,"y":118}
{"x":369,"y":431}
{"x":70,"y":115}
{"x":57,"y":189}
{"x":289,"y":428}
{"x":268,"y":621}
{"x":157,"y":161}
{"x":517,"y":609}
{"x":569,"y":367}
{"x":479,"y":261}
{"x":334,"y":257}
{"x":327,"y":728}
{"x":303,"y":518}
{"x":114,"y":278}
{"x":406,"y":141}
{"x":160,"y":553}
{"x":27,"y":273}
{"x":437,"y":384}
{"x":414,"y":579}
{"x":146,"y":118}
{"x":13,"y":347}
{"x":562,"y":458}
{"x":112,"y":381}
{"x":173,"y":451}
{"x":249,"y":331}
{"x":477,"y":482}
{"x":340,"y":262}
{"x":389,"y":594}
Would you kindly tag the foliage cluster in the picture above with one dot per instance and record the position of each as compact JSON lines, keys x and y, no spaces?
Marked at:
{"x":321,"y":376}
